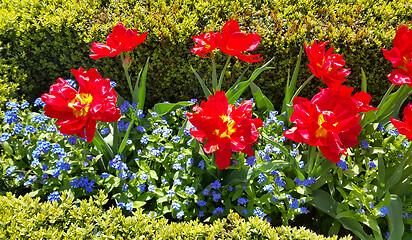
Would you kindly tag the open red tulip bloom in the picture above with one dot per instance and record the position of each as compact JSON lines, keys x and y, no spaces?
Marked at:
{"x":405,"y":127}
{"x":330,"y":120}
{"x":233,"y":42}
{"x":120,"y":40}
{"x":401,"y":57}
{"x":77,"y":112}
{"x":326,"y":66}
{"x":205,"y":43}
{"x":226,"y":129}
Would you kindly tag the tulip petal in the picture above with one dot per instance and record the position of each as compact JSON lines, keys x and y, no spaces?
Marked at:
{"x":233,"y":42}
{"x":223,"y":157}
{"x":404,"y":127}
{"x":330,"y":120}
{"x":90,"y":129}
{"x":325,"y":65}
{"x":226,"y":128}
{"x":120,"y":40}
{"x":77,"y":112}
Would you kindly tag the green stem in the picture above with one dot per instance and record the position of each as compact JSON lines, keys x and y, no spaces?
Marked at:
{"x":126,"y":136}
{"x":115,"y":136}
{"x":393,"y":104}
{"x":301,"y":88}
{"x":285,"y":220}
{"x":222,"y":74}
{"x":129,"y":81}
{"x":298,"y":171}
{"x":276,"y":144}
{"x":214,"y":75}
{"x":219,"y":173}
{"x":102,"y":165}
{"x":126,"y":72}
{"x":312,"y":151}
{"x":313,"y":161}
{"x":100,"y":144}
{"x":384,"y":99}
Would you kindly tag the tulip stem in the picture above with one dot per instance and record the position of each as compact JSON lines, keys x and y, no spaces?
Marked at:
{"x":126,"y":71}
{"x":301,"y":88}
{"x":222,"y":74}
{"x":214,"y":75}
{"x":101,"y":162}
{"x":129,"y":81}
{"x":126,"y":136}
{"x":285,"y":220}
{"x":388,"y":92}
{"x":100,"y":144}
{"x":115,"y":137}
{"x":313,"y":161}
{"x":392,"y":104}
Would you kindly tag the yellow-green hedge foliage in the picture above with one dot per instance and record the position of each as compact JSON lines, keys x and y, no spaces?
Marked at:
{"x":27,"y":218}
{"x":44,"y":39}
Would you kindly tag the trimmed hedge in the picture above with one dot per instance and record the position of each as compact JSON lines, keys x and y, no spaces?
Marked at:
{"x":44,"y":39}
{"x":27,"y":218}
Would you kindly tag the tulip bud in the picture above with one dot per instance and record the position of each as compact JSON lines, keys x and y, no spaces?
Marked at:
{"x":127,"y":62}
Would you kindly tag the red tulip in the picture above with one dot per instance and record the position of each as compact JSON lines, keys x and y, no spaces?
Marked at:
{"x":233,"y":42}
{"x":77,"y":111}
{"x":205,"y":43}
{"x":226,"y":129}
{"x":330,"y":120}
{"x":326,"y":66}
{"x":405,"y":127}
{"x":401,"y":57}
{"x":120,"y":40}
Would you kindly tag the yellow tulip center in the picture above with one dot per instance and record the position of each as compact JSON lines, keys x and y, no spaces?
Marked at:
{"x":406,"y":61}
{"x":321,"y":132}
{"x":230,"y":127}
{"x":329,"y":68}
{"x":320,"y":65}
{"x":83,"y":99}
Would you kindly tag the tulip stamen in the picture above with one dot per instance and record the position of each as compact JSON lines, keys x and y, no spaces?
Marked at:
{"x":80,"y":104}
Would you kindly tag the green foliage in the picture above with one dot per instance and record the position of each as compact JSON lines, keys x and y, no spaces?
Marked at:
{"x":375,"y":175}
{"x":27,"y":218}
{"x":7,"y":87}
{"x":7,"y":90}
{"x":45,"y":39}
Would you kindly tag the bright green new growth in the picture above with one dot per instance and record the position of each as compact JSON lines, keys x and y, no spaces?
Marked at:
{"x":27,"y":218}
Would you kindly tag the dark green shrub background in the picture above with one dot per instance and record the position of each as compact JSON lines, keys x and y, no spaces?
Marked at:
{"x":41,"y":40}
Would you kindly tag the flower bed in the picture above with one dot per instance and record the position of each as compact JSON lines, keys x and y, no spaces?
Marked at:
{"x":335,"y":157}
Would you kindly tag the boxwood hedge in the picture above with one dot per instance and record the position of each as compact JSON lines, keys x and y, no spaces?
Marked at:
{"x":44,"y":39}
{"x":27,"y":218}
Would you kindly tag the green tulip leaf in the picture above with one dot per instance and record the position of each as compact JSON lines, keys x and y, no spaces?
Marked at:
{"x":260,"y":99}
{"x":238,"y":88}
{"x":164,"y":108}
{"x":396,"y":225}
